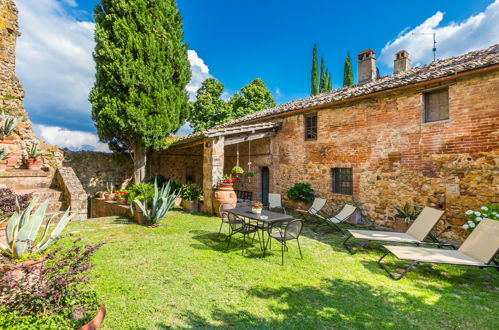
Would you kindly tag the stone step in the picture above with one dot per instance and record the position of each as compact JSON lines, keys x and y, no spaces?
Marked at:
{"x":26,"y":179}
{"x":42,"y":193}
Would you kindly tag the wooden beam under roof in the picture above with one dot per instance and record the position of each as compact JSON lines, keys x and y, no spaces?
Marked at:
{"x":248,"y":137}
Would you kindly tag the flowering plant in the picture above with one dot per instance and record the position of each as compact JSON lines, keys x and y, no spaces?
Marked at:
{"x":490,"y":211}
{"x":257,"y":205}
{"x":227,"y":178}
{"x":119,"y":194}
{"x":301,"y":192}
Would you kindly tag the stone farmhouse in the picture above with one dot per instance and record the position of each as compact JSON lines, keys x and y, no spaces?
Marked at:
{"x":427,"y":134}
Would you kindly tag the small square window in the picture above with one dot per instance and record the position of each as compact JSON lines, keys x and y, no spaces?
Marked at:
{"x":311,"y":127}
{"x":342,"y":181}
{"x":436,"y":105}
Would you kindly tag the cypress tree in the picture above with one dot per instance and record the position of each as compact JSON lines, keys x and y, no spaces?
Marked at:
{"x":314,"y":75}
{"x":142,"y":69}
{"x":347,"y":72}
{"x":323,"y":78}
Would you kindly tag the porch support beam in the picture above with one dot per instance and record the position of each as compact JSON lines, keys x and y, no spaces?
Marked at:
{"x":248,"y":137}
{"x":213,"y":169}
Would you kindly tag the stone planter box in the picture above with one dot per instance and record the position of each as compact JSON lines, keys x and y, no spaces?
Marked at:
{"x":190,"y":206}
{"x":103,"y":208}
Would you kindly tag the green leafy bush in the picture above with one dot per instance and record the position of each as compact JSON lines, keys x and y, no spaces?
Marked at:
{"x":301,"y":192}
{"x":191,"y":192}
{"x":136,"y":191}
{"x":489,"y":211}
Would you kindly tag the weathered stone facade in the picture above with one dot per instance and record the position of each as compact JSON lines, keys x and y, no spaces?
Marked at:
{"x":96,"y":170}
{"x":11,"y":91}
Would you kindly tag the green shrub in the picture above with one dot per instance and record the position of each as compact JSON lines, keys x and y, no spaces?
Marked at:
{"x":301,"y":192}
{"x":489,"y":211}
{"x":136,"y":191}
{"x":191,"y":192}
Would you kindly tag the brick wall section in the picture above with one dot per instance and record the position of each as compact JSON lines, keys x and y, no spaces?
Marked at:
{"x":396,"y":157}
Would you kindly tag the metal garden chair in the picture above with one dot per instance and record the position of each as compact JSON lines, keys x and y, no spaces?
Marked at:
{"x":285,"y":233}
{"x":224,"y":215}
{"x":240,"y":226}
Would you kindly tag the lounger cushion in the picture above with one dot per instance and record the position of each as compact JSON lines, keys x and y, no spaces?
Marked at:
{"x":384,"y":236}
{"x":433,"y":255}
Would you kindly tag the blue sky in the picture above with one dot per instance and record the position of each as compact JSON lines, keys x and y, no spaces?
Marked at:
{"x":237,"y":41}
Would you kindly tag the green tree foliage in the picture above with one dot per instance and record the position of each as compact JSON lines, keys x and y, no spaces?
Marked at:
{"x":323,"y":77}
{"x":142,"y":69}
{"x":347,"y":72}
{"x":209,"y":109}
{"x":253,"y":97}
{"x":315,"y":73}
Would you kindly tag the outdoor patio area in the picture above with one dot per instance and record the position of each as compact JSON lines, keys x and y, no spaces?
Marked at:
{"x":180,"y":275}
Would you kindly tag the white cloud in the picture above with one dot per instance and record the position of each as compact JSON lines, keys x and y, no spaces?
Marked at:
{"x":456,"y":38}
{"x":199,"y":73}
{"x":74,"y":140}
{"x":56,"y":68}
{"x":278,"y":92}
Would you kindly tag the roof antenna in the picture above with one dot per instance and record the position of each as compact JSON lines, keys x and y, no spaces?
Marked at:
{"x":434,"y":43}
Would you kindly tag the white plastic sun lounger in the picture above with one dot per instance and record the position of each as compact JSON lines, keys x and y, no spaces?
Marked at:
{"x":416,"y":234}
{"x":478,"y":250}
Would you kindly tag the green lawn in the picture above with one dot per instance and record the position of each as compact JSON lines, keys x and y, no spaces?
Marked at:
{"x":180,"y":276}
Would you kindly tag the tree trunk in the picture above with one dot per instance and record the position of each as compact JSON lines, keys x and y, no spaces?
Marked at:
{"x":139,"y":162}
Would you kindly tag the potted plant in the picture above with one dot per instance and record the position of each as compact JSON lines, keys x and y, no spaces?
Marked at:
{"x":257,"y":207}
{"x":489,"y":211}
{"x":405,"y":216}
{"x":236,"y":170}
{"x":301,"y":194}
{"x":3,"y":159}
{"x":33,"y":161}
{"x":7,"y":125}
{"x":190,"y":197}
{"x":120,"y":197}
{"x":224,"y":192}
{"x":109,"y":195}
{"x":249,"y":174}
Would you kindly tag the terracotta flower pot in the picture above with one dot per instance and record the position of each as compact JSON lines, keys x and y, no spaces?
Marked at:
{"x":110,"y":197}
{"x":400,"y":225}
{"x":12,"y":148}
{"x":97,"y":320}
{"x":121,"y":200}
{"x":33,"y":163}
{"x":3,"y":165}
{"x":224,"y":194}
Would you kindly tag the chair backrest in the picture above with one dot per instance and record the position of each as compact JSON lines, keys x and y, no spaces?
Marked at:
{"x":223,"y":207}
{"x":317,"y":205}
{"x":235,"y":222}
{"x":424,"y":223}
{"x":275,"y":200}
{"x":346,"y":212}
{"x":483,"y":242}
{"x":293,"y":229}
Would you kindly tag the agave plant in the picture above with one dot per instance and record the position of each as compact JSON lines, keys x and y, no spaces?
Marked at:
{"x":3,"y":153}
{"x":22,"y":229}
{"x":161,"y":203}
{"x":33,"y":151}
{"x":7,"y":124}
{"x":407,"y":212}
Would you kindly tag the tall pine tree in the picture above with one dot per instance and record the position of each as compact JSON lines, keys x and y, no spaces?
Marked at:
{"x":314,"y":75}
{"x":347,"y":72}
{"x":139,"y":96}
{"x":323,"y":77}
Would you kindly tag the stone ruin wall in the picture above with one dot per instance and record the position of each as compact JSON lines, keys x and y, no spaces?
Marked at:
{"x":12,"y":93}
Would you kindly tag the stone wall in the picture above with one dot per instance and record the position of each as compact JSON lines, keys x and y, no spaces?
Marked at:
{"x":395,"y":157}
{"x":98,"y":169}
{"x":11,"y":91}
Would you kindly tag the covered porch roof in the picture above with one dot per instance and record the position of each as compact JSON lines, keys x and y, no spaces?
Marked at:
{"x":232,"y":135}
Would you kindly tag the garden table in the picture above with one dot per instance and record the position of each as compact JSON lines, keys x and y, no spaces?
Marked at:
{"x":269,"y":218}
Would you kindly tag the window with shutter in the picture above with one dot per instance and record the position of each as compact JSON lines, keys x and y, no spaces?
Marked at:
{"x":342,"y":181}
{"x":436,"y":105}
{"x":311,"y":127}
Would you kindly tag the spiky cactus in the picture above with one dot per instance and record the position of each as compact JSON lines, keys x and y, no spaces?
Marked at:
{"x":33,"y":151}
{"x":22,"y":229}
{"x":7,"y":124}
{"x":161,"y":203}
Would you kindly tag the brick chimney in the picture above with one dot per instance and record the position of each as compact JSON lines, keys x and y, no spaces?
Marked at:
{"x":402,"y":62}
{"x":367,"y":66}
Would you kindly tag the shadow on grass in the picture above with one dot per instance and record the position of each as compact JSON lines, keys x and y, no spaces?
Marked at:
{"x":212,"y":241}
{"x":330,"y":304}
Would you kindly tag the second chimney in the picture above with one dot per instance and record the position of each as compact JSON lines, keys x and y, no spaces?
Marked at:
{"x":402,"y":62}
{"x":367,"y":66}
